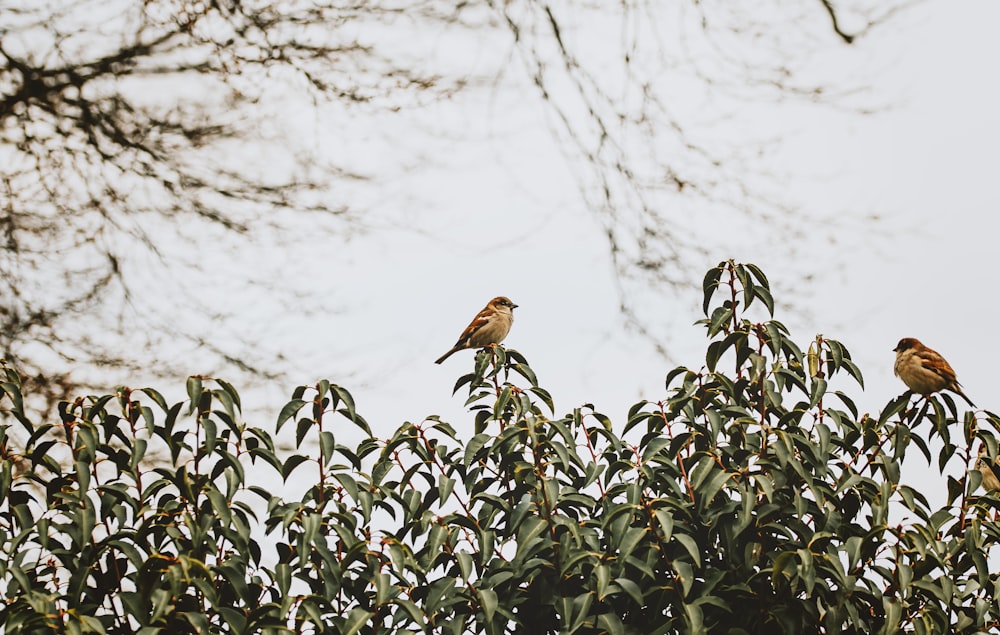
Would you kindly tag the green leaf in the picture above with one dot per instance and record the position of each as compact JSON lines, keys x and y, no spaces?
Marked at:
{"x":488,"y":602}
{"x":631,"y":589}
{"x":356,"y":618}
{"x":290,"y":464}
{"x":610,"y":623}
{"x":684,"y":574}
{"x":817,"y":391}
{"x":221,"y":505}
{"x":194,"y":391}
{"x":654,"y":447}
{"x":666,"y":522}
{"x":694,"y":618}
{"x":289,"y":411}
{"x":713,"y":354}
{"x":302,"y":428}
{"x":758,"y":275}
{"x":156,"y":397}
{"x":465,"y":564}
{"x":327,"y":444}
{"x":710,"y":284}
{"x":629,"y":541}
{"x":544,"y":395}
{"x":765,"y":296}
{"x":691,"y":546}
{"x":445,"y":487}
{"x":812,"y":357}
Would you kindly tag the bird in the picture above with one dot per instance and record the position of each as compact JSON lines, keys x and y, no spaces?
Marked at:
{"x":924,"y":371}
{"x":991,"y":482}
{"x":489,"y":327}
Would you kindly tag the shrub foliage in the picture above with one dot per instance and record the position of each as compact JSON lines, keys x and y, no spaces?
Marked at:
{"x":752,"y":498}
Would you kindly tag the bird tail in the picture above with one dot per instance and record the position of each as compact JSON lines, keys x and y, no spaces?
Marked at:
{"x":446,"y":355}
{"x":958,"y":391}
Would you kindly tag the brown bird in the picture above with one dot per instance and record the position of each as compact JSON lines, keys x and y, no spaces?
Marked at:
{"x":991,"y":482}
{"x":924,"y":371}
{"x":489,"y":327}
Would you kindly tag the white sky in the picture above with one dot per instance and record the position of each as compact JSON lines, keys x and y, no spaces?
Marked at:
{"x":510,"y":223}
{"x":924,"y":165}
{"x":495,"y":209}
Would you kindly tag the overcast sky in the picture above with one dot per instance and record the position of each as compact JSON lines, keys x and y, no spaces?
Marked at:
{"x":498,"y":219}
{"x":494,"y":209}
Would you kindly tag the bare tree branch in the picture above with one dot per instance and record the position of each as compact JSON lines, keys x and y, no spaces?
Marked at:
{"x":137,"y":136}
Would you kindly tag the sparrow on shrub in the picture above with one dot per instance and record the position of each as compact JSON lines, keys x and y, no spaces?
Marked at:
{"x":489,"y":327}
{"x":923,"y":370}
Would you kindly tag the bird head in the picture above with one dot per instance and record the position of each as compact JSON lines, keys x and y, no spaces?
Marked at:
{"x":502,"y":302}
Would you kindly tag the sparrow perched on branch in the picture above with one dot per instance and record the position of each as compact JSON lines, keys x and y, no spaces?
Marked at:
{"x":923,"y":370}
{"x":489,"y":327}
{"x":991,"y":481}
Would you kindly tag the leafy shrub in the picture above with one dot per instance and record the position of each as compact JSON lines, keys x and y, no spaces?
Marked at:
{"x":754,"y":499}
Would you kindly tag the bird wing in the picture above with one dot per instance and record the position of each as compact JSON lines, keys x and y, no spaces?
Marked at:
{"x":939,"y":366}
